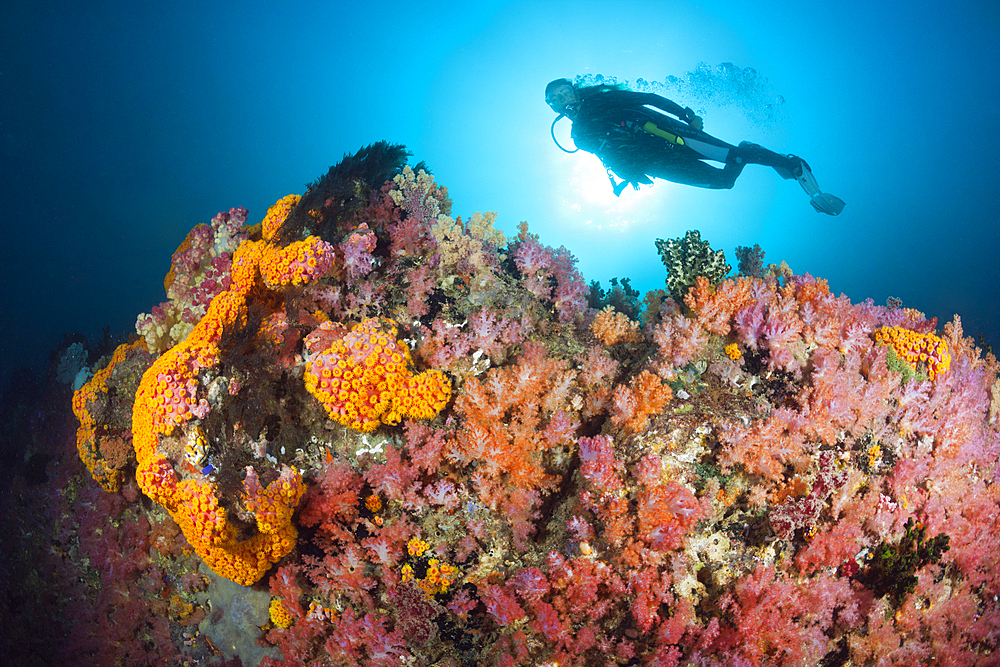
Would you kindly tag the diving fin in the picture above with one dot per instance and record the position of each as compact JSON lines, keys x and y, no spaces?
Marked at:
{"x":800,"y":171}
{"x":825,"y":203}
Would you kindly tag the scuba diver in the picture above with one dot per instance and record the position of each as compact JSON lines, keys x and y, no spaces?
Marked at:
{"x":637,"y":140}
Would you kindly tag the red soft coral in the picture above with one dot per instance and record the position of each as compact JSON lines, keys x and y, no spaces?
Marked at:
{"x":393,"y":477}
{"x":651,"y":589}
{"x":365,"y":640}
{"x":500,"y":604}
{"x":343,"y":573}
{"x":777,"y":621}
{"x":332,"y":505}
{"x":285,"y":585}
{"x":667,"y":512}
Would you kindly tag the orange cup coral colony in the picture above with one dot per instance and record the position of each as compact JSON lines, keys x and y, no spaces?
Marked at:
{"x":164,"y":403}
{"x":915,"y":348}
{"x":362,"y":381}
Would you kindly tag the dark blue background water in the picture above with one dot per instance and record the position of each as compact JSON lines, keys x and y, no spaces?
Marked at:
{"x":121,"y":127}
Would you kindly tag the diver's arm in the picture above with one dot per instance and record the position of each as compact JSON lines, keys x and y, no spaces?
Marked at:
{"x":686,"y":114}
{"x":663,"y":104}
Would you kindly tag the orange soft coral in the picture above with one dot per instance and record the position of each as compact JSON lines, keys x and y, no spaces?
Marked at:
{"x":632,"y":405}
{"x":363,"y":379}
{"x":666,"y":513}
{"x":715,"y":306}
{"x":765,"y":446}
{"x":611,"y":327}
{"x":510,"y":418}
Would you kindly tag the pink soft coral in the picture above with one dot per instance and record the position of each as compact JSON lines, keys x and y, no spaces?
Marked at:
{"x":776,"y":620}
{"x":538,"y":264}
{"x":357,"y":251}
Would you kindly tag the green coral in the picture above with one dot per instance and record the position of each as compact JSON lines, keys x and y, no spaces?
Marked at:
{"x":901,"y":366}
{"x":686,"y":259}
{"x":890,"y":570}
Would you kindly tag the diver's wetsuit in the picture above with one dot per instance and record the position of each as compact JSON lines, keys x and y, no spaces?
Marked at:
{"x":609,"y":124}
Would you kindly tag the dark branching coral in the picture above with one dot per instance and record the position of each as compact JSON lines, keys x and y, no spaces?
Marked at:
{"x":344,"y":189}
{"x":751,"y":261}
{"x":686,"y":259}
{"x":622,"y":297}
{"x":891,"y":569}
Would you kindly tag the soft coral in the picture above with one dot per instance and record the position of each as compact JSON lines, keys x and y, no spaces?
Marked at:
{"x":506,"y":418}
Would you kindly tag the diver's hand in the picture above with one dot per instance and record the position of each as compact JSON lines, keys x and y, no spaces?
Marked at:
{"x":693,"y":120}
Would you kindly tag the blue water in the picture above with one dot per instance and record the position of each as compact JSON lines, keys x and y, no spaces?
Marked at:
{"x":122,"y":127}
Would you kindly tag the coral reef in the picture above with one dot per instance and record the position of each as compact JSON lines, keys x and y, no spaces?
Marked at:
{"x":199,"y":270}
{"x":101,"y":406}
{"x":398,"y":437}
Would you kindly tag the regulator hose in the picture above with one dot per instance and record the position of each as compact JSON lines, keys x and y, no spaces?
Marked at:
{"x":552,"y":131}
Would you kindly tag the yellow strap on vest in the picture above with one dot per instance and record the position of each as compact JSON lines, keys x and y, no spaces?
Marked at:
{"x":651,"y":127}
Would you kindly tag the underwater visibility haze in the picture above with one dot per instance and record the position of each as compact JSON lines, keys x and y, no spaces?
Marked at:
{"x":125,"y":127}
{"x":320,"y":350}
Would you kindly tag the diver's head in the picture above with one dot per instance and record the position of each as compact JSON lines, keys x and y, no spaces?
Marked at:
{"x":561,"y":97}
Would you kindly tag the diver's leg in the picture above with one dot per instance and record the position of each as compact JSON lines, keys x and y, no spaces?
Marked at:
{"x":706,"y":147}
{"x":731,"y":172}
{"x":690,"y":171}
{"x":756,"y":154}
{"x":684,"y":163}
